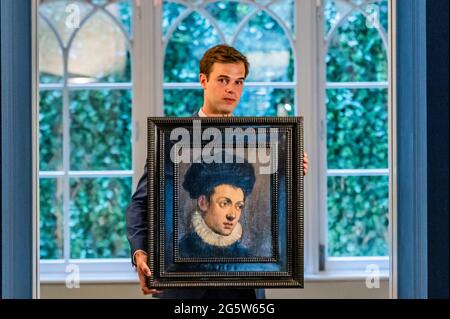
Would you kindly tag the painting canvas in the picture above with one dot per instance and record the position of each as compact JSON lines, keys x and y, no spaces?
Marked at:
{"x":226,"y":204}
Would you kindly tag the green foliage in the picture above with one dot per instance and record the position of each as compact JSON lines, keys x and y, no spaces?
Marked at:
{"x":50,"y":130}
{"x":357,"y":129}
{"x":97,"y":217}
{"x":358,"y":216}
{"x":100,"y":130}
{"x":51,"y":218}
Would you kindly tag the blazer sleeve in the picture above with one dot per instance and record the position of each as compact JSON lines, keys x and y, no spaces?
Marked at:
{"x":136,"y":217}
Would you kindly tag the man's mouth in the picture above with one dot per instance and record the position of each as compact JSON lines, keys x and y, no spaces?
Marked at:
{"x":229,"y":100}
{"x":227,"y":225}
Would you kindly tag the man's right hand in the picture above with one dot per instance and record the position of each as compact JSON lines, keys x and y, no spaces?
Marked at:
{"x":143,"y":272}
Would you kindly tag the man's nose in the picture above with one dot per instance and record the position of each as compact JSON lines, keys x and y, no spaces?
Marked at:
{"x":231,"y":87}
{"x":231,"y":215}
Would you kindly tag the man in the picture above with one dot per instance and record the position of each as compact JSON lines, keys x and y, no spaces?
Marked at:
{"x":223,"y":70}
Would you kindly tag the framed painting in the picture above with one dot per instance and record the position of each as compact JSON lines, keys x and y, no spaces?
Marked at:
{"x":225,"y":204}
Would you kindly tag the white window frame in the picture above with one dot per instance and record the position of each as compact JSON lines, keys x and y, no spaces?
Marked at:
{"x":337,"y":266}
{"x":95,"y":269}
{"x":148,"y":88}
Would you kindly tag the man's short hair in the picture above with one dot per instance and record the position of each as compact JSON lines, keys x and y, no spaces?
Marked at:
{"x":222,"y":53}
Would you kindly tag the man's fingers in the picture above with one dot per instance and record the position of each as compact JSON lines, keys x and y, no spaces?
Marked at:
{"x":147,"y":291}
{"x":144,"y":269}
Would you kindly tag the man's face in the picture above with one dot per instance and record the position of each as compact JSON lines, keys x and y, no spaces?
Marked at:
{"x":223,"y":90}
{"x":224,"y":209}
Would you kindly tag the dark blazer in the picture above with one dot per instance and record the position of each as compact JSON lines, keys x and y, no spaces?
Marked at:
{"x":136,"y":218}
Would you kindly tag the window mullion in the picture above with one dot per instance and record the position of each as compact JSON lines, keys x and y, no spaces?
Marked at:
{"x":306,"y":100}
{"x":66,"y":158}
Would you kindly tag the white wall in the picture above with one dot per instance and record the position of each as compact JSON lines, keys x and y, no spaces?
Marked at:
{"x":314,"y":289}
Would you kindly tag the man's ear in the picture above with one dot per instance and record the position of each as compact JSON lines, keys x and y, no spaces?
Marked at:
{"x":203,"y":203}
{"x":203,"y":79}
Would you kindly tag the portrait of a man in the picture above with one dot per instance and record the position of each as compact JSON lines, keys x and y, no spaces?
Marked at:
{"x":219,"y":191}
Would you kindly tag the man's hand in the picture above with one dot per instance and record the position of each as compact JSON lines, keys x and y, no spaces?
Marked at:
{"x":305,"y":163}
{"x":143,"y":272}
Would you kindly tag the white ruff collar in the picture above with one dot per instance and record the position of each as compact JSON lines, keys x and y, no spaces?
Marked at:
{"x":212,"y":238}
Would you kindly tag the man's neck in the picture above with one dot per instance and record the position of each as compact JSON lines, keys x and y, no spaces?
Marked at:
{"x":207,"y":113}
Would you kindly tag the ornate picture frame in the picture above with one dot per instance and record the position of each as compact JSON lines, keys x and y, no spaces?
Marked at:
{"x":225,"y":202}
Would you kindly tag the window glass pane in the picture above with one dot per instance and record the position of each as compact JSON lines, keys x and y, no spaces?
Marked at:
{"x":357,"y":132}
{"x":50,"y":55}
{"x":50,"y":130}
{"x":263,"y":2}
{"x":228,"y":15}
{"x":182,"y":102}
{"x":97,"y":217}
{"x":65,"y":22}
{"x":170,"y":11}
{"x":266,"y":102}
{"x":358,"y":216}
{"x":263,"y":40}
{"x":335,"y":11}
{"x":51,"y":218}
{"x":99,"y":52}
{"x":254,"y":102}
{"x":384,"y":13}
{"x":356,"y":52}
{"x":186,"y":47}
{"x":100,"y":130}
{"x":285,"y":10}
{"x":122,"y":11}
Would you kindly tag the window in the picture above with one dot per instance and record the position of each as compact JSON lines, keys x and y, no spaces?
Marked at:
{"x":85,"y":129}
{"x":357,"y":128}
{"x":93,"y":110}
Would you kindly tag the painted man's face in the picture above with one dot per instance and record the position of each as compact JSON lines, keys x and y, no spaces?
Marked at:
{"x":224,"y":209}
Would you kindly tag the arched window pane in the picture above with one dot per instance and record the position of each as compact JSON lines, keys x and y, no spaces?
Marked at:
{"x":122,"y":11}
{"x":285,"y":9}
{"x":186,"y":47}
{"x":229,"y":14}
{"x":358,"y":216}
{"x":50,"y":55}
{"x":97,"y":217}
{"x":50,"y":130}
{"x":357,"y":129}
{"x":51,"y":218}
{"x":99,"y":52}
{"x":63,"y":15}
{"x":263,"y":40}
{"x":335,"y":11}
{"x":171,"y":11}
{"x":356,"y":53}
{"x":100,"y":130}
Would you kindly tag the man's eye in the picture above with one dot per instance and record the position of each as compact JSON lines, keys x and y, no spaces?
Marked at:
{"x":240,"y":82}
{"x":223,"y":204}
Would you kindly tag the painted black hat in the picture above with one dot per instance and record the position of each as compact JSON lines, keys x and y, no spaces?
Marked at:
{"x":201,"y":178}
